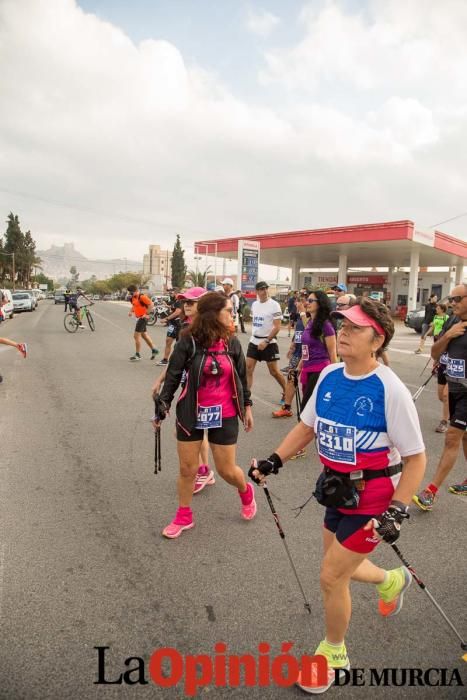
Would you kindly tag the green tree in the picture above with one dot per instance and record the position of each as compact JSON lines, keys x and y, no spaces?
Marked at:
{"x":30,"y":258}
{"x":178,"y":265}
{"x":123,"y":279}
{"x":14,"y":246}
{"x":43,"y":279}
{"x":199,"y":279}
{"x":74,"y":276}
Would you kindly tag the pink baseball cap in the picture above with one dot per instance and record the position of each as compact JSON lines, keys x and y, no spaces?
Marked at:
{"x":192,"y":294}
{"x":357,"y":316}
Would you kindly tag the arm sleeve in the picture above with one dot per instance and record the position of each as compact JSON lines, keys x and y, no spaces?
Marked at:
{"x":177,"y":363}
{"x":328,"y":329}
{"x":403,"y":425}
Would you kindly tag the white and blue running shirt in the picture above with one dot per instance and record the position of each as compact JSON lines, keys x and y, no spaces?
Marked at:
{"x":367,"y":422}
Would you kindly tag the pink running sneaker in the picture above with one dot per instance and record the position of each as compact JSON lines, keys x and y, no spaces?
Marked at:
{"x":248,"y":503}
{"x":204,"y":477}
{"x":183,"y":521}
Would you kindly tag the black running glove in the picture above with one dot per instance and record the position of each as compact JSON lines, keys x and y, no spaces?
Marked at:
{"x":271,"y":465}
{"x":388,"y":524}
{"x":160,"y":408}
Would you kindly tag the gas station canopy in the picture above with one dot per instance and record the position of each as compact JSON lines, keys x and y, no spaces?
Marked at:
{"x":390,"y":244}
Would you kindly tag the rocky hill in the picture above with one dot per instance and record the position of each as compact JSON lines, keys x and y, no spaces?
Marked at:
{"x":57,"y":260}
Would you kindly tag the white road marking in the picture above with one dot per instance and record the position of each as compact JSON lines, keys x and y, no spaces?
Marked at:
{"x":2,"y":569}
{"x":266,"y":403}
{"x":406,"y":352}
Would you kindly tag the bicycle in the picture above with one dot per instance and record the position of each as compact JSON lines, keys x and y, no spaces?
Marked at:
{"x":72,"y":322}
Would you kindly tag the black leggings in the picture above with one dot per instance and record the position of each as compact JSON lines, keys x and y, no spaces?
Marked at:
{"x":309,"y":387}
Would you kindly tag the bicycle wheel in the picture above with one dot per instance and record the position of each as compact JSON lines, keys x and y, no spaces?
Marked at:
{"x":70,"y":323}
{"x":90,"y":321}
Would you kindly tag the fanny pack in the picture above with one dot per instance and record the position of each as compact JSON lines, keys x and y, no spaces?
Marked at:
{"x":336,"y":490}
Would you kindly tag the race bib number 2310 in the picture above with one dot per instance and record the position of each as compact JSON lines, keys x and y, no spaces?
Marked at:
{"x":336,"y":442}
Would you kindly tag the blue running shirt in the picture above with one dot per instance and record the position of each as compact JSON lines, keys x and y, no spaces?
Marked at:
{"x":367,"y":422}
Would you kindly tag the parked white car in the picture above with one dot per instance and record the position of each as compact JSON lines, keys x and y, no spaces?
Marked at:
{"x":8,"y":308}
{"x":23,"y":301}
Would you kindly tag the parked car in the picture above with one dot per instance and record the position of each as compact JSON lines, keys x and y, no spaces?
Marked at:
{"x":107,"y":297}
{"x":95,"y":297}
{"x":50,"y":295}
{"x":37,"y":294}
{"x":59,"y":298}
{"x":414,"y":319}
{"x":8,"y":309}
{"x":23,"y":301}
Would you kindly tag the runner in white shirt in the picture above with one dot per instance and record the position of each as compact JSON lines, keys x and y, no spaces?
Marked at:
{"x":263,"y":346}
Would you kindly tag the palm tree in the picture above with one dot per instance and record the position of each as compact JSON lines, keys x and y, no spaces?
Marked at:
{"x":199,"y":279}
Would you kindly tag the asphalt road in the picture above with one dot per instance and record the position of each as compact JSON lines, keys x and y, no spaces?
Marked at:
{"x":83,"y":563}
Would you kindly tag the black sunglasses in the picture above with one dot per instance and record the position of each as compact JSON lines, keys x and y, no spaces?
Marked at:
{"x":310,"y":300}
{"x":457,"y":299}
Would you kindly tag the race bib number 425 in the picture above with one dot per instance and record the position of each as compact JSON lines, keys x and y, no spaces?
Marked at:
{"x":456,"y":368}
{"x":336,"y":442}
{"x":209,"y":417}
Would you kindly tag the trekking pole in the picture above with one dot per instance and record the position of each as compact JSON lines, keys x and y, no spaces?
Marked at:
{"x":424,"y":369}
{"x":282,"y":534}
{"x":424,"y":588}
{"x":421,"y":388}
{"x":157,"y":442}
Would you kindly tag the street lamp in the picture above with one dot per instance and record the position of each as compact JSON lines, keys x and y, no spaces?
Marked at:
{"x":207,"y":245}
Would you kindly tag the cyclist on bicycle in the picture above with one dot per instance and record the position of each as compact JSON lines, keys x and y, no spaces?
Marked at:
{"x":75,"y":305}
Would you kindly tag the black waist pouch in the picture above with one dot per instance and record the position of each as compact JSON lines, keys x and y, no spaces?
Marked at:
{"x":335,"y":490}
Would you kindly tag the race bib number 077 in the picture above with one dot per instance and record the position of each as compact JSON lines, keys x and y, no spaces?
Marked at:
{"x":337,"y":442}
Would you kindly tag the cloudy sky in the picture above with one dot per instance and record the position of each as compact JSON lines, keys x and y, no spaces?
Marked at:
{"x":123,"y":123}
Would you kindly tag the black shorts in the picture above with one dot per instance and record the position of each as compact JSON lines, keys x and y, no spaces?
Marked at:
{"x":349,"y":531}
{"x":442,"y":375}
{"x":173,"y":330}
{"x":141,"y":325}
{"x":293,"y":316}
{"x":269,"y":354}
{"x":226,"y":435}
{"x":458,"y":409}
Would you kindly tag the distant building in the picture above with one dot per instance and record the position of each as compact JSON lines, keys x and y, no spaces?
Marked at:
{"x":157,"y":265}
